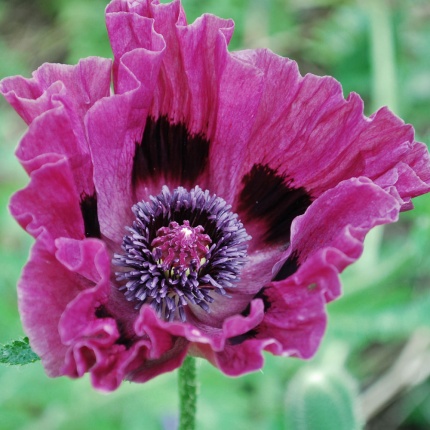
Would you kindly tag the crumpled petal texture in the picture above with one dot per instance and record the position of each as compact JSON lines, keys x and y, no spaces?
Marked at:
{"x":307,"y":173}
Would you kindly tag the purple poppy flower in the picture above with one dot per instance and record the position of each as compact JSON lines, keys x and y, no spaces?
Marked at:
{"x":205,"y":207}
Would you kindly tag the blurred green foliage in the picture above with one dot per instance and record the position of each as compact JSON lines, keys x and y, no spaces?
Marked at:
{"x":386,"y":295}
{"x":17,"y":353}
{"x":322,"y":401}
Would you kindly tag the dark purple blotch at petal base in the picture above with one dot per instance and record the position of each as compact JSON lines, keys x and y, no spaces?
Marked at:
{"x":101,"y":312}
{"x":171,"y":152}
{"x":260,"y":295}
{"x":290,"y":266}
{"x":237,"y":340}
{"x":89,"y":214}
{"x":269,"y":197}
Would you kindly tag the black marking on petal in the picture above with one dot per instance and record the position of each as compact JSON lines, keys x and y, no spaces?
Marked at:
{"x":268,"y":196}
{"x":237,"y":340}
{"x":169,"y":151}
{"x":89,"y":214}
{"x":102,"y":312}
{"x":123,"y":338}
{"x":251,"y":334}
{"x":290,"y":267}
{"x":260,"y":295}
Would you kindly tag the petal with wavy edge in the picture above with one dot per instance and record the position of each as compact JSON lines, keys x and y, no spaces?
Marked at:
{"x":53,"y":133}
{"x":76,"y":87}
{"x":45,"y":289}
{"x":64,"y":217}
{"x":295,"y":316}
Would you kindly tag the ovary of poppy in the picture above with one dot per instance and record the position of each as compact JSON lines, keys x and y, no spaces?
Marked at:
{"x":206,"y":206}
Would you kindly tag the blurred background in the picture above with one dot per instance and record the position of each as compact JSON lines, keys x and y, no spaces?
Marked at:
{"x":373,"y":367}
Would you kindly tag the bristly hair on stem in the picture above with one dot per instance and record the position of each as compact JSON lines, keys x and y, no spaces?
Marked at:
{"x":187,"y":383}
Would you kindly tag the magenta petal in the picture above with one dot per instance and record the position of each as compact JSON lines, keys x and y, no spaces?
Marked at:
{"x":92,"y":343}
{"x":360,"y":206}
{"x":52,"y":133}
{"x":45,"y":289}
{"x":236,"y":105}
{"x":76,"y":87}
{"x":166,"y":351}
{"x":187,"y":90}
{"x":410,"y":177}
{"x":115,"y":125}
{"x":237,"y":325}
{"x":296,"y":319}
{"x":239,"y":352}
{"x":64,"y":217}
{"x":139,"y":372}
{"x":209,"y":342}
{"x":236,"y":361}
{"x":89,"y":258}
{"x":112,"y":147}
{"x":92,"y":340}
{"x":132,"y":38}
{"x":95,"y":342}
{"x":310,"y":123}
{"x":325,"y":240}
{"x":196,"y":90}
{"x":138,"y":18}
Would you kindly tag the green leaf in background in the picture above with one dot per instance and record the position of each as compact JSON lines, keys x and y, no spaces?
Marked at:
{"x":17,"y":353}
{"x":322,"y":399}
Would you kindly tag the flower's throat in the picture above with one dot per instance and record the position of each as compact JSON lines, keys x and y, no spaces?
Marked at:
{"x":180,"y":248}
{"x":183,"y":247}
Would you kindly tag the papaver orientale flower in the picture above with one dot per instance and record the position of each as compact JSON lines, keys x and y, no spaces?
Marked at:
{"x":205,"y":206}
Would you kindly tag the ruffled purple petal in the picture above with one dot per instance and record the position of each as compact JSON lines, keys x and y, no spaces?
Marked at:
{"x":311,"y":124}
{"x":44,"y":291}
{"x":205,"y":341}
{"x":325,"y":240}
{"x":115,"y":124}
{"x":50,"y":136}
{"x":54,"y":103}
{"x":64,"y":217}
{"x":98,"y":340}
{"x":94,"y":338}
{"x":187,"y":87}
{"x":52,"y":85}
{"x":337,"y":232}
{"x":192,"y":59}
{"x":294,"y":304}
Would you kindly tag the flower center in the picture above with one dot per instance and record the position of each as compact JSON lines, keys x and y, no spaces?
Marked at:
{"x":180,"y":247}
{"x":183,"y":247}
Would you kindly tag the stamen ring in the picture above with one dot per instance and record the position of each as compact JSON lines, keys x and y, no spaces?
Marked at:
{"x":182,"y":247}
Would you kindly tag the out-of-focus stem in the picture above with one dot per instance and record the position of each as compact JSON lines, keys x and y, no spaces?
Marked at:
{"x":256,"y":23}
{"x":384,"y":89}
{"x":384,"y":82}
